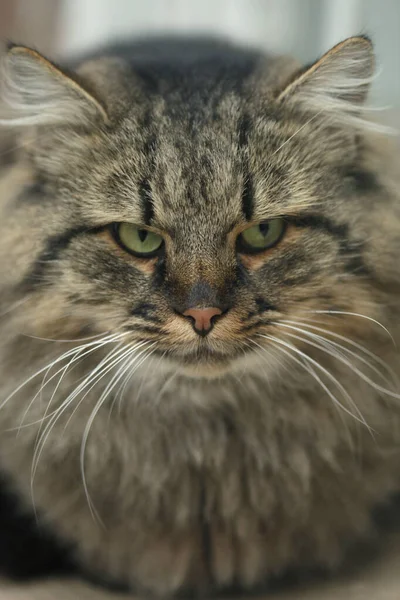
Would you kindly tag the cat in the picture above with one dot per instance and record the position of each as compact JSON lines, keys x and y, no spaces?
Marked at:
{"x":199,"y":311}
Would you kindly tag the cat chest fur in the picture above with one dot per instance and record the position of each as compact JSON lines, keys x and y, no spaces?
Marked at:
{"x":227,"y":491}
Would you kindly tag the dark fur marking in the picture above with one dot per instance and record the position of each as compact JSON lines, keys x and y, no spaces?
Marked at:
{"x":8,"y":155}
{"x":357,"y":266}
{"x":248,"y":198}
{"x":354,"y":264}
{"x":159,"y":272}
{"x":320,"y":222}
{"x":145,"y":311}
{"x":257,"y":324}
{"x":147,"y":201}
{"x":365,"y":182}
{"x":54,"y":247}
{"x":150,"y":146}
{"x":244,"y":129}
{"x":263,"y":305}
{"x":32,"y":194}
{"x":248,"y":187}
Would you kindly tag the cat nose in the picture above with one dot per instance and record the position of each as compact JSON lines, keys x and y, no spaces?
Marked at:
{"x":202,"y":318}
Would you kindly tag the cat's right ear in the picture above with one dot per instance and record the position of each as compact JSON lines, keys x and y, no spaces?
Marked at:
{"x":337,"y":84}
{"x":34,"y":91}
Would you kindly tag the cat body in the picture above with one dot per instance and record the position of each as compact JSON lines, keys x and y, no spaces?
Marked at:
{"x":167,"y":456}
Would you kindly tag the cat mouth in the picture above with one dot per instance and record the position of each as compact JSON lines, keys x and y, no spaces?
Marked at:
{"x":198,"y":356}
{"x":203,"y":361}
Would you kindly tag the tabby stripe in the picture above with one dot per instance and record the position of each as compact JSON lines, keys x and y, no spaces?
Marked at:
{"x":146,"y":201}
{"x":365,"y":181}
{"x":248,"y":187}
{"x":355,"y":264}
{"x":319,"y":222}
{"x":145,"y":311}
{"x":263,"y":305}
{"x":55,"y":245}
{"x":257,"y":324}
{"x":32,"y":194}
{"x":149,"y":149}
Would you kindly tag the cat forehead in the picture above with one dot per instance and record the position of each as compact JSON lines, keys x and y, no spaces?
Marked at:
{"x":170,"y":165}
{"x":217,"y":174}
{"x":175,"y":165}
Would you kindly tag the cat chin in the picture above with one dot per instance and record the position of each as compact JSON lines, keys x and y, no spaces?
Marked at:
{"x":222,"y":366}
{"x":206,"y":370}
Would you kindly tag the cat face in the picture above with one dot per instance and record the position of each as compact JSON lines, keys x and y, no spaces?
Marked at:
{"x":199,"y":221}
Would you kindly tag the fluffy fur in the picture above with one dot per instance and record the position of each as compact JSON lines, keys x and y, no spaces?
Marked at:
{"x":172,"y":462}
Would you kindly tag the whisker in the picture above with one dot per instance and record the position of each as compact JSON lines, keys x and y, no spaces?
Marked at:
{"x":90,"y":381}
{"x":340,"y":347}
{"x":140,"y":389}
{"x":64,"y":356}
{"x":45,"y":434}
{"x":352,"y":343}
{"x":353,"y":314}
{"x":77,"y":354}
{"x":113,"y":382}
{"x":165,"y":386}
{"x":329,"y":375}
{"x":336,"y":403}
{"x":14,"y":305}
{"x":67,"y":341}
{"x":125,"y":382}
{"x":362,"y":375}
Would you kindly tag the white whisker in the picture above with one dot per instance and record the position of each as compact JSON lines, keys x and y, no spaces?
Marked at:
{"x":110,"y":386}
{"x":66,"y":341}
{"x":353,"y":314}
{"x":307,"y":367}
{"x":45,"y":434}
{"x":76,"y":354}
{"x":121,"y":392}
{"x":339,"y":357}
{"x":64,"y":356}
{"x":339,"y":348}
{"x":329,"y":375}
{"x":352,"y":343}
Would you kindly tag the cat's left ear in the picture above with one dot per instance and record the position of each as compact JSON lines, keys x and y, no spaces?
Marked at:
{"x":338,"y":83}
{"x":34,"y":91}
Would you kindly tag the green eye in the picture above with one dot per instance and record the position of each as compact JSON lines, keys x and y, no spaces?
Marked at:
{"x":137,"y":240}
{"x":262,"y":236}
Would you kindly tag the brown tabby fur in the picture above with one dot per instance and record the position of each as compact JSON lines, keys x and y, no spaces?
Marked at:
{"x":228,"y":458}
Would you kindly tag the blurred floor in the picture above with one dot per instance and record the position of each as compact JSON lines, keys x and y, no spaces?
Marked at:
{"x":378,"y":581}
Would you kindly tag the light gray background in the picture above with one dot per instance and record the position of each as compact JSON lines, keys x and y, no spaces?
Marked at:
{"x":305,"y":28}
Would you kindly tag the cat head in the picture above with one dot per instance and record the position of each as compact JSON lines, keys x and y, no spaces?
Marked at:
{"x":197,"y":208}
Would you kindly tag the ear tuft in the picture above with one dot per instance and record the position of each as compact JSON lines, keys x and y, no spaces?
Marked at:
{"x":34,"y":91}
{"x":337,"y":84}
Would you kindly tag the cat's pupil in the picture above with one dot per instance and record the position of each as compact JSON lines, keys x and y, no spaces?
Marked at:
{"x":264,"y":227}
{"x":142,"y":233}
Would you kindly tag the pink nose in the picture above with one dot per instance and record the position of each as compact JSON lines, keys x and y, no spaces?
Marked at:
{"x":202,"y":318}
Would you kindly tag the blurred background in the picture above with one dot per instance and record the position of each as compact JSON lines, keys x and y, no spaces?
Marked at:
{"x":304,"y":28}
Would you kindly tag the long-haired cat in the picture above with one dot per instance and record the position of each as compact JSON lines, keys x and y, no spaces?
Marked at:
{"x":200,"y":310}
